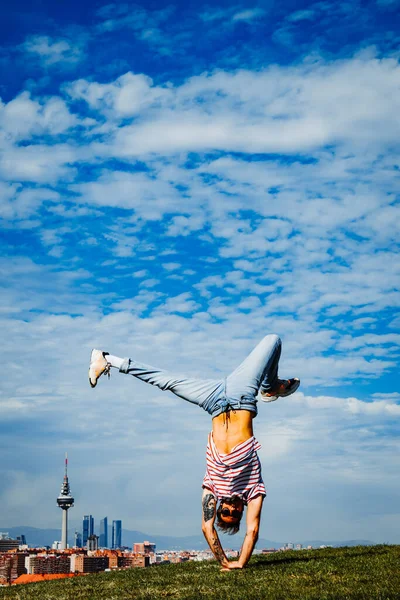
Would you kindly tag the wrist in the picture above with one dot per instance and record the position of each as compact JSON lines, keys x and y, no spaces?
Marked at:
{"x":224,"y":563}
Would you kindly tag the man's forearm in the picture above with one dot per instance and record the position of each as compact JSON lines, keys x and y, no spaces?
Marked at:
{"x":247,"y":548}
{"x":215,"y":545}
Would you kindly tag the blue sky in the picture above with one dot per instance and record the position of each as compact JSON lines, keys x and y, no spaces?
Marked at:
{"x":178,"y":180}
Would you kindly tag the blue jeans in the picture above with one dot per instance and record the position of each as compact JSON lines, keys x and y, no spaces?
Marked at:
{"x":238,"y":391}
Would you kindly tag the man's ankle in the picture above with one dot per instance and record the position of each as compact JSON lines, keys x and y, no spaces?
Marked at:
{"x":115,"y":361}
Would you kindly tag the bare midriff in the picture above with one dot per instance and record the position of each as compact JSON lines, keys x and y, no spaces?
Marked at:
{"x":232,"y":428}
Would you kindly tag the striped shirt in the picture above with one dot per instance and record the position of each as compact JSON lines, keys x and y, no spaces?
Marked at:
{"x":235,"y":474}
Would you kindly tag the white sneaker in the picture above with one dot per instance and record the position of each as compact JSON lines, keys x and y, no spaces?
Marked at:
{"x":98,"y":366}
{"x":286,"y":387}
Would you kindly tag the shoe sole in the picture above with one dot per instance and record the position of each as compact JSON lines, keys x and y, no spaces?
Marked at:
{"x":268,"y":398}
{"x":93,"y":385}
{"x":292,"y":390}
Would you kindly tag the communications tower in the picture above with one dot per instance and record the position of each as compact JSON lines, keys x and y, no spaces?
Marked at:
{"x":65,"y":501}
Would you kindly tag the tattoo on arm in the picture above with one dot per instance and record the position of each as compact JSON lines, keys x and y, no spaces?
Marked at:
{"x":217,"y":550}
{"x":209,"y":503}
{"x":208,"y":507}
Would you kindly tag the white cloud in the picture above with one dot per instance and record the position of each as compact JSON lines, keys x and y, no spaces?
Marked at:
{"x":391,"y":396}
{"x":146,"y":25}
{"x":127,"y":96}
{"x":384,"y":408}
{"x":120,"y":16}
{"x":248,"y":15}
{"x":52,"y":51}
{"x":223,"y":111}
{"x":184,"y":226}
{"x":141,"y":273}
{"x":38,"y":163}
{"x":149,"y":196}
{"x":370,"y":340}
{"x":125,"y":245}
{"x":23,"y":117}
{"x":213,"y":15}
{"x":277,"y":110}
{"x":20,"y":203}
{"x":180,"y":304}
{"x":302,"y":15}
{"x":171,"y":266}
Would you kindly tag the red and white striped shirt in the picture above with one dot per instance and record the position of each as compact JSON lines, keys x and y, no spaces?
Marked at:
{"x":235,"y":474}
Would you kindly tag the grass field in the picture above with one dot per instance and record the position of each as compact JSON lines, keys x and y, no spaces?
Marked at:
{"x":361,"y":572}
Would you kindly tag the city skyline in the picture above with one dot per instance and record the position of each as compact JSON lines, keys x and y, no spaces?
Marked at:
{"x":177,"y":181}
{"x":181,"y":544}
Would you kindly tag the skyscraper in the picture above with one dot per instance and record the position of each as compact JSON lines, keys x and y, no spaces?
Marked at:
{"x":104,"y":533}
{"x":88,"y":527}
{"x":65,"y":501}
{"x":93,"y":542}
{"x":116,"y":534}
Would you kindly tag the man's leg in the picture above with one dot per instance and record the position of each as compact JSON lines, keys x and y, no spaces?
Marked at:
{"x":259,"y":372}
{"x":197,"y":391}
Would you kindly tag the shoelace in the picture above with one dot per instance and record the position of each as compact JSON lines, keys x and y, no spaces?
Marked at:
{"x":107,"y":370}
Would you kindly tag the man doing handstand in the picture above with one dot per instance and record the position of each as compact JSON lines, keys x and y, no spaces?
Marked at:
{"x":233,"y":473}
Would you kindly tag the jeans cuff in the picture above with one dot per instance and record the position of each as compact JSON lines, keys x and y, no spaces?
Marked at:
{"x":124,"y":368}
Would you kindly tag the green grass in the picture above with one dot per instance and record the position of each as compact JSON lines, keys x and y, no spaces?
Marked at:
{"x":362,"y":572}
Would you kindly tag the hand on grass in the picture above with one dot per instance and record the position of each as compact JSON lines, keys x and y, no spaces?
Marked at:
{"x":232,"y":565}
{"x":235,"y":565}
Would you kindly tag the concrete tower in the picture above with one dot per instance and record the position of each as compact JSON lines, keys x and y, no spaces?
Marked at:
{"x":65,"y":501}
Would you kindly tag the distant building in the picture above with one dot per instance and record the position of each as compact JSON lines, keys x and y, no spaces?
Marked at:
{"x":104,"y":533}
{"x":116,"y":534}
{"x":49,"y":563}
{"x":78,"y":540}
{"x":87,"y":528}
{"x":128,"y":561}
{"x":144,"y":548}
{"x":7,"y":543}
{"x":140,"y":561}
{"x":11,"y":566}
{"x":90,"y":564}
{"x":57,"y":545}
{"x":113,"y":560}
{"x":65,"y":501}
{"x":93,"y":542}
